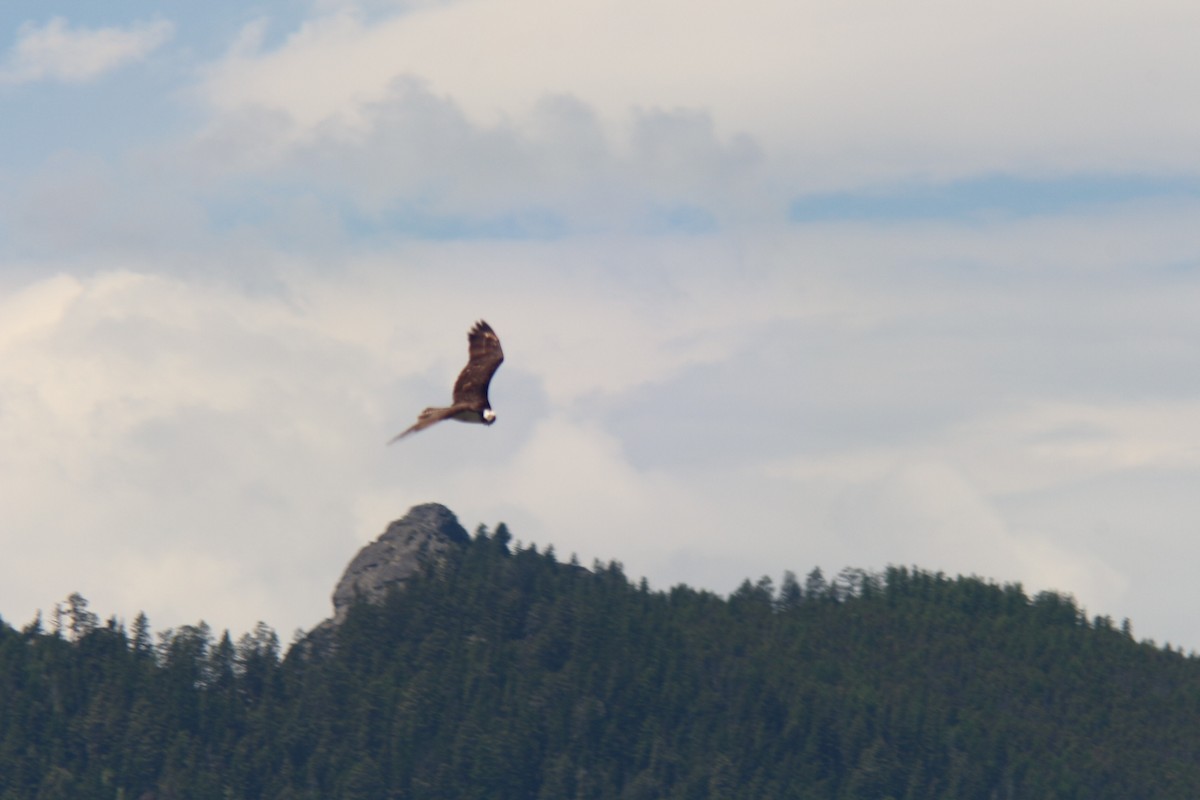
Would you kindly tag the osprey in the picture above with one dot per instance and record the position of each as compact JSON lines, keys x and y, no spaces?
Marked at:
{"x":471,"y":389}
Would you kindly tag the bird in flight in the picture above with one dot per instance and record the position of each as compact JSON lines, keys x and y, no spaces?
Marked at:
{"x":471,"y":389}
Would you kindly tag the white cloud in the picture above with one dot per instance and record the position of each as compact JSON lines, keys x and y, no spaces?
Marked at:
{"x":150,"y":421}
{"x":1036,"y":447}
{"x":568,"y":484}
{"x":133,"y":440}
{"x":417,"y":158}
{"x":211,"y":378}
{"x":840,"y":94}
{"x":702,"y":408}
{"x":927,"y":513}
{"x":57,"y":52}
{"x":989,"y":496}
{"x":36,"y":307}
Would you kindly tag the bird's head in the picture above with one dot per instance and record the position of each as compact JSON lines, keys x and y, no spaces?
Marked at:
{"x":489,"y":416}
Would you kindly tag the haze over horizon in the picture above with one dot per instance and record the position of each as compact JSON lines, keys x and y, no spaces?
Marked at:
{"x":780,"y":285}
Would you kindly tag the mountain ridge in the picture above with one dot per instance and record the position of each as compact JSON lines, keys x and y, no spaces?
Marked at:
{"x":483,"y":670}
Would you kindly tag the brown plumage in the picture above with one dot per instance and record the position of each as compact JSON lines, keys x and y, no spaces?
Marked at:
{"x":471,"y":389}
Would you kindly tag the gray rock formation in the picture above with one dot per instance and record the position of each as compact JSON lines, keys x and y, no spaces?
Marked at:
{"x":422,"y":536}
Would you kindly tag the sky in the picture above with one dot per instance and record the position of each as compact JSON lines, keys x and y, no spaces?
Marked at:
{"x":781,"y":285}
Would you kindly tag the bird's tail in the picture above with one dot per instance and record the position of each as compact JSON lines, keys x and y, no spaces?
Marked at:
{"x":424,"y":420}
{"x":400,"y":436}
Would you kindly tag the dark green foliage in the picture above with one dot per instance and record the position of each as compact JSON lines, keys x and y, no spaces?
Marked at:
{"x":507,"y":674}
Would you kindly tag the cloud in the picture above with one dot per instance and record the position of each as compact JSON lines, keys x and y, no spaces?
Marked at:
{"x":928,"y":513}
{"x":1081,"y":497}
{"x":36,"y":308}
{"x":984,"y":399}
{"x":78,"y":202}
{"x":836,"y":95}
{"x":992,"y":197}
{"x":154,"y":419}
{"x":711,"y":374}
{"x":151,"y":420}
{"x":415,"y":163}
{"x":586,"y":495}
{"x":133,"y":438}
{"x":57,"y":52}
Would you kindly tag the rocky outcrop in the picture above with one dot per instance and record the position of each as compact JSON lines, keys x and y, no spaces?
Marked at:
{"x":421,"y":537}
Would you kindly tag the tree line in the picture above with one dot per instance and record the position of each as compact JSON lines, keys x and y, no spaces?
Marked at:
{"x":504,"y":672}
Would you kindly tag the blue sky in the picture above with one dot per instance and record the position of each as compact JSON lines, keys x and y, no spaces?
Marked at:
{"x":781,"y":285}
{"x":987,"y":197}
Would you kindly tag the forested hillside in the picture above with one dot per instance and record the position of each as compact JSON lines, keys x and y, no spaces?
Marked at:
{"x":508,"y":674}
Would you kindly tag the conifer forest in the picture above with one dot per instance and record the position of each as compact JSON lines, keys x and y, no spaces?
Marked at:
{"x":506,"y":672}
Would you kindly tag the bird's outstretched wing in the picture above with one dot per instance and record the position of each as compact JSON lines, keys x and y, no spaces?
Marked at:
{"x":471,"y":388}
